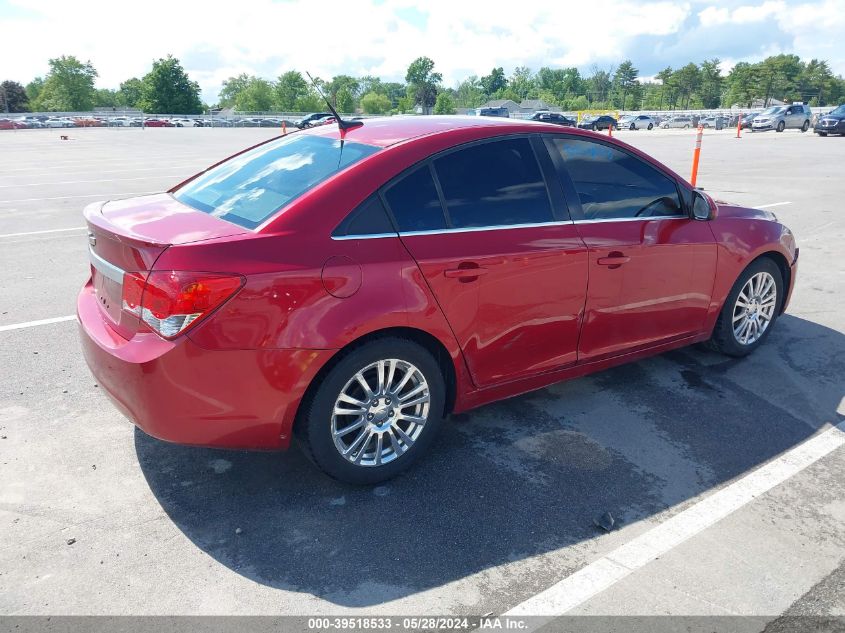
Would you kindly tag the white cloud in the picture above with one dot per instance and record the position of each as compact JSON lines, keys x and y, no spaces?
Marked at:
{"x":265,"y":37}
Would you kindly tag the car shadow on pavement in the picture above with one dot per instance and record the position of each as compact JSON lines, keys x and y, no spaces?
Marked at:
{"x":509,"y":481}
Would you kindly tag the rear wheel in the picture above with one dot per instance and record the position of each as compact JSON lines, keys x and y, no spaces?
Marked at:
{"x":822,"y":133}
{"x":650,"y":125}
{"x":595,"y":128}
{"x":750,"y":311}
{"x":633,"y":127}
{"x":375,"y":412}
{"x":781,"y":126}
{"x":806,"y":126}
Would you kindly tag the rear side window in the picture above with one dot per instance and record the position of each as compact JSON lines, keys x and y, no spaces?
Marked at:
{"x":494,"y":184}
{"x":414,"y":202}
{"x":369,"y":218}
{"x":247,"y":189}
{"x":612,"y":184}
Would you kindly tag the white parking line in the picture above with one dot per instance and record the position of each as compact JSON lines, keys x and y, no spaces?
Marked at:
{"x":603,"y":573}
{"x":76,"y":228}
{"x":20,"y":326}
{"x":78,"y":182}
{"x":88,"y":195}
{"x":773,"y":204}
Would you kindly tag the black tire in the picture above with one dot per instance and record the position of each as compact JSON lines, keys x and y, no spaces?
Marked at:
{"x":686,"y":126}
{"x":650,"y":125}
{"x":822,"y":133}
{"x":633,"y":127}
{"x":723,"y":339}
{"x":595,"y":128}
{"x":806,"y":126}
{"x":314,"y":426}
{"x":781,"y":126}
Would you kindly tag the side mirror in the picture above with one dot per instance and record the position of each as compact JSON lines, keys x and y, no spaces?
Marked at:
{"x":701,"y":206}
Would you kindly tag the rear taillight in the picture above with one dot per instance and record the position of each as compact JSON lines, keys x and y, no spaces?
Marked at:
{"x":170,"y":301}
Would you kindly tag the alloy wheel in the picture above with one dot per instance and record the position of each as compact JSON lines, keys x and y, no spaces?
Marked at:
{"x":380,"y":412}
{"x":754,"y":308}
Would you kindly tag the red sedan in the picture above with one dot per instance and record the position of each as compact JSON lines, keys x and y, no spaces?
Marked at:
{"x":351,"y":288}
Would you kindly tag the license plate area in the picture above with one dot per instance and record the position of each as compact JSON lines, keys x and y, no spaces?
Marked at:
{"x":108,"y":293}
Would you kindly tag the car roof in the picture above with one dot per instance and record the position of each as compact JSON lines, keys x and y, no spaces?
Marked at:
{"x":386,"y":131}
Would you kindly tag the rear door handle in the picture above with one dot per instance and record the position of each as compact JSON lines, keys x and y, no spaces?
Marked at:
{"x":613,"y":259}
{"x":465,"y":273}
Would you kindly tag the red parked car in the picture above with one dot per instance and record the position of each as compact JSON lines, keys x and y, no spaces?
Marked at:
{"x":351,"y":289}
{"x":158,"y":123}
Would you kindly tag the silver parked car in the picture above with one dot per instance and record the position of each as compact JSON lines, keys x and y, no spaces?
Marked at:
{"x":679,"y":121}
{"x":636,"y":122}
{"x":778,"y":118}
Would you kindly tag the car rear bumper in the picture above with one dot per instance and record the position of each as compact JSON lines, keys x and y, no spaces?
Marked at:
{"x":179,"y":392}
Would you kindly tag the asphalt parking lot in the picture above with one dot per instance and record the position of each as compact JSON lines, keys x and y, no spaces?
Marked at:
{"x":98,"y":518}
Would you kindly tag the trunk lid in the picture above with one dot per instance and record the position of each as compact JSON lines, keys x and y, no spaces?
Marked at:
{"x":130,"y":235}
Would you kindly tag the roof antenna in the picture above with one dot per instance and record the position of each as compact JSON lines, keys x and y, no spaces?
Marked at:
{"x":343,"y":125}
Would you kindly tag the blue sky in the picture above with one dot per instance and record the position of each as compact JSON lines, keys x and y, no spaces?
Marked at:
{"x":267,"y":37}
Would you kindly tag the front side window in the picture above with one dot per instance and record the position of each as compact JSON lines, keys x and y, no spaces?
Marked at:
{"x":612,"y":184}
{"x":494,"y":184}
{"x":248,"y":189}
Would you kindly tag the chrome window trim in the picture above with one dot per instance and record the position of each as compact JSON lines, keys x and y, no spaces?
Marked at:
{"x":498,"y":227}
{"x":107,"y":269}
{"x":364,"y":236}
{"x":503,"y":227}
{"x":654,"y":217}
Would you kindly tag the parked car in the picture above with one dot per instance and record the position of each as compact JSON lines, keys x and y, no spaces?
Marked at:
{"x":157,"y":123}
{"x":554,"y":117}
{"x":12,"y":124}
{"x":119,"y":121}
{"x":680,"y":121}
{"x":59,"y":122}
{"x":831,"y":123}
{"x":353,"y":299}
{"x":219,"y":122}
{"x":309,"y":119}
{"x":779,"y":118}
{"x":715,"y":122}
{"x":501,"y":112}
{"x":602,"y":122}
{"x":636,"y":122}
{"x":183,"y":122}
{"x":31,"y":122}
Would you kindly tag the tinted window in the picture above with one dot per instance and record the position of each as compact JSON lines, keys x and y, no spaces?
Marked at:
{"x":613,"y":184}
{"x":248,"y":189}
{"x":414,"y":202}
{"x":369,"y":218}
{"x":494,"y":184}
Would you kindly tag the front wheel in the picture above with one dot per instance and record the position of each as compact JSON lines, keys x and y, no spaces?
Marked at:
{"x":375,"y":412}
{"x":822,"y":133}
{"x":633,"y":127}
{"x":781,"y":126}
{"x":595,"y":128}
{"x":650,"y":125}
{"x":750,"y":311}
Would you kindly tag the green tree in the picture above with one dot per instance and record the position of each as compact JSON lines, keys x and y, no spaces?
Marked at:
{"x":68,"y":87}
{"x":290,"y":88}
{"x":344,"y":101}
{"x":710,"y":89}
{"x":309,"y":102}
{"x":687,"y":80}
{"x":13,"y":97}
{"x":34,"y":88}
{"x":105,"y":98}
{"x":375,"y":103}
{"x":168,"y":89}
{"x":232,"y":87}
{"x":469,"y":93}
{"x":423,"y":82}
{"x":342,"y":84}
{"x":624,"y":82}
{"x":521,"y":84}
{"x":664,"y":76}
{"x":130,"y":93}
{"x":444,"y":104}
{"x":598,"y":86}
{"x":494,"y":82}
{"x":816,"y":81}
{"x":741,"y":85}
{"x":257,"y":96}
{"x":395,"y":91}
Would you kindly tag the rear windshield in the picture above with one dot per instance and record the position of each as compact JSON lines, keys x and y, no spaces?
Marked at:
{"x":247,"y":189}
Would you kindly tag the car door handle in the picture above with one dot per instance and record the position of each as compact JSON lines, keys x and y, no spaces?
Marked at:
{"x":465,"y":273}
{"x":614,"y":259}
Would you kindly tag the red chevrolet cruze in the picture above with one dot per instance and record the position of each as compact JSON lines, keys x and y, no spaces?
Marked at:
{"x":351,"y":287}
